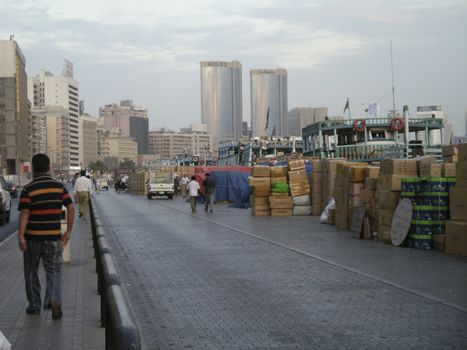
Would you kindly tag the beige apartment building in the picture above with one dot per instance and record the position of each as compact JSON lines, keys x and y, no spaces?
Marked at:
{"x":15,"y":117}
{"x":47,"y":90}
{"x":87,"y":139}
{"x":111,"y":143}
{"x":167,"y":144}
{"x":58,"y":139}
{"x":38,"y":130}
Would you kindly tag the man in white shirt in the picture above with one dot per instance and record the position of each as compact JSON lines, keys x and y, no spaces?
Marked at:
{"x":183,"y":184}
{"x":82,"y":191}
{"x":193,"y":189}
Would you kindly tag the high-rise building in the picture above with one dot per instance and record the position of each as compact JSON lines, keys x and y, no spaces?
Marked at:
{"x":221,"y":100}
{"x":300,"y":117}
{"x":167,"y":144}
{"x":47,"y":90}
{"x":58,"y":139}
{"x":88,"y":139}
{"x":15,"y":117}
{"x":38,"y":130}
{"x":268,"y":88}
{"x":112,"y":144}
{"x":132,"y":121}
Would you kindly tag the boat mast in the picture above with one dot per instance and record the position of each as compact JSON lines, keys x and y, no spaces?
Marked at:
{"x":392,"y":74}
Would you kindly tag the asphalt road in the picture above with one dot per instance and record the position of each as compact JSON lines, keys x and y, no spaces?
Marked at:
{"x":195,"y":283}
{"x":11,"y":227}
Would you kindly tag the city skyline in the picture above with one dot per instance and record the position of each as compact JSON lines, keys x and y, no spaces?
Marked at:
{"x":151,"y":52}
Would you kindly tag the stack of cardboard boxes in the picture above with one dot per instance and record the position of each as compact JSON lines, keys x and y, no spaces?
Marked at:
{"x":328,"y":174}
{"x":299,"y":187}
{"x":368,"y":200}
{"x":260,"y":184}
{"x":316,"y":186}
{"x":388,"y":191}
{"x":281,"y":203}
{"x":456,"y":228}
{"x":138,"y":182}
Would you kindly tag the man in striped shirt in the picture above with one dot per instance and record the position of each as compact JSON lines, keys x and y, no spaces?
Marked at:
{"x":40,"y":235}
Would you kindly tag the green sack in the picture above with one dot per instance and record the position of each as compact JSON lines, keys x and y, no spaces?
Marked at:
{"x":280,"y":187}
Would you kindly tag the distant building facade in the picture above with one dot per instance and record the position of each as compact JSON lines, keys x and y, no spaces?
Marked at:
{"x":112,"y":144}
{"x":130,"y":119}
{"x":167,"y":144}
{"x":268,"y":89}
{"x":221,"y":100}
{"x":88,"y":139}
{"x":300,"y":117}
{"x":58,"y":138}
{"x":435,"y":136}
{"x":38,"y":130}
{"x":15,"y":118}
{"x":47,"y":90}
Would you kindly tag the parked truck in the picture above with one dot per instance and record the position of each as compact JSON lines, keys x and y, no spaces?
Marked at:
{"x":161,"y":185}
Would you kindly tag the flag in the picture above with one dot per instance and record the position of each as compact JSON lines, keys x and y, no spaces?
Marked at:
{"x":267,"y":121}
{"x":273,"y":134}
{"x":373,"y":109}
{"x":346,"y":106}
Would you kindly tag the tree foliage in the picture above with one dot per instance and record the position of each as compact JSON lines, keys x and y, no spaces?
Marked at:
{"x":127,"y":164}
{"x":97,"y":166}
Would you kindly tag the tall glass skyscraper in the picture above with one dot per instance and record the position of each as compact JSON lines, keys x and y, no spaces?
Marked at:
{"x":221,"y":100}
{"x":268,"y":91}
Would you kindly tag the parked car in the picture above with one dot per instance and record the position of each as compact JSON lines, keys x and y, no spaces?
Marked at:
{"x":5,"y":202}
{"x":12,"y":187}
{"x":103,"y":184}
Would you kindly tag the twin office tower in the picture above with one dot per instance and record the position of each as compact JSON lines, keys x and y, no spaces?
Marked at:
{"x":221,"y":100}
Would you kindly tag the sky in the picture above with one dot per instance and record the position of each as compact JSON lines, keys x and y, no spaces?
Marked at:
{"x":150,"y":51}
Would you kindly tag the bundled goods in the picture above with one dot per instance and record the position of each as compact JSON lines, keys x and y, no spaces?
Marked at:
{"x":430,"y":201}
{"x":260,"y":206}
{"x":298,"y":182}
{"x":456,"y":227}
{"x":302,"y":205}
{"x":368,"y":197}
{"x":185,"y":170}
{"x":261,"y":186}
{"x":260,"y":171}
{"x":137,"y":182}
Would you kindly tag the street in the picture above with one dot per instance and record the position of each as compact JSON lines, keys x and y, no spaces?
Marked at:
{"x":228,"y":280}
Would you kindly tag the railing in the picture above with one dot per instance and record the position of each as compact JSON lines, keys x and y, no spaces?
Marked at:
{"x":121,"y":332}
{"x":377,"y":152}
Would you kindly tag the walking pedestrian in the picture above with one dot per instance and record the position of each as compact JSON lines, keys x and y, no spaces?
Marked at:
{"x":183,"y":184}
{"x":176,"y":184}
{"x":209,"y":188}
{"x":193,"y":190}
{"x":82,"y":191}
{"x":40,"y":235}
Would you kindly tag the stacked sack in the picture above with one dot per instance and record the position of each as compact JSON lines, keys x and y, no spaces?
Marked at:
{"x":299,"y":187}
{"x":456,"y":227}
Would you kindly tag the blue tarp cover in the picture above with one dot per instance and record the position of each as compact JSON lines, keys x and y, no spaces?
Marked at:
{"x":232,"y":186}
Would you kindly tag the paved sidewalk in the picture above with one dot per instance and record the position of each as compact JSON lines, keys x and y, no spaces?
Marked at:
{"x":79,"y":327}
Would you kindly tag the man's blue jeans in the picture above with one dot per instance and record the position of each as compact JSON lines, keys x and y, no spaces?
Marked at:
{"x":51,"y":254}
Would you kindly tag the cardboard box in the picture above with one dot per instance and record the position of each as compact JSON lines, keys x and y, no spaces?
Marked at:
{"x":278,"y":194}
{"x":259,"y":201}
{"x":296,"y":164}
{"x":316,"y":211}
{"x":399,"y":167}
{"x":424,"y":160}
{"x":316,"y":198}
{"x":355,"y":188}
{"x":371,"y":171}
{"x":301,"y":210}
{"x":458,"y":203}
{"x":298,"y":176}
{"x":438,"y":242}
{"x":462,"y":148}
{"x":339,"y":180}
{"x":299,"y":189}
{"x":316,"y":187}
{"x":255,"y":181}
{"x":338,"y":194}
{"x":357,"y":173}
{"x":456,"y":237}
{"x":387,"y":199}
{"x":448,"y":170}
{"x":279,"y":179}
{"x":316,"y":165}
{"x":261,"y":190}
{"x":316,"y":177}
{"x":341,"y":222}
{"x":280,"y":202}
{"x":385,"y":217}
{"x":260,"y":171}
{"x":391,"y":182}
{"x":449,"y":150}
{"x":430,"y":170}
{"x":354,"y":200}
{"x":451,"y":159}
{"x":281,"y":212}
{"x":331,"y":216}
{"x":371,"y":183}
{"x":278,"y":171}
{"x":461,"y":175}
{"x":261,"y":211}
